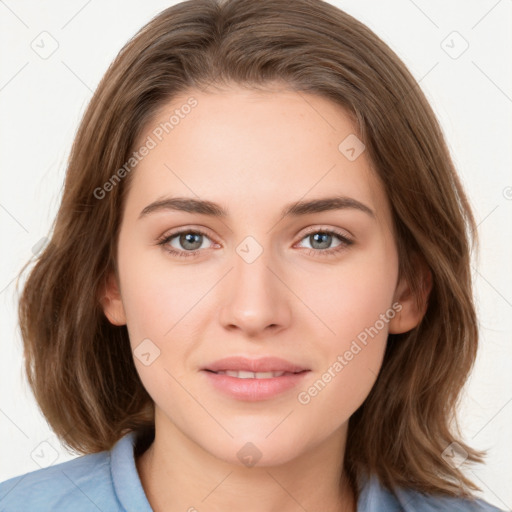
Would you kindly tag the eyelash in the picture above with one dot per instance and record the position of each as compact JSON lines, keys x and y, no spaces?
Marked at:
{"x":345,"y":242}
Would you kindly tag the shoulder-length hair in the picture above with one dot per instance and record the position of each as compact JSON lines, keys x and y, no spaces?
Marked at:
{"x":80,"y":367}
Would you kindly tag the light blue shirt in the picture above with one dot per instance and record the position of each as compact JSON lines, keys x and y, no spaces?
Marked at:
{"x":108,"y":481}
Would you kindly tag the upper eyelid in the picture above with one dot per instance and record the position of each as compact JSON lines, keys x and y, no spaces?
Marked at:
{"x":200,"y":230}
{"x":337,"y":231}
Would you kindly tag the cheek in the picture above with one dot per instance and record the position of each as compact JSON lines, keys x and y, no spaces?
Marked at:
{"x":350,"y":365}
{"x":335,"y":394}
{"x":355,"y":308}
{"x":350,"y":297}
{"x":156,"y":295}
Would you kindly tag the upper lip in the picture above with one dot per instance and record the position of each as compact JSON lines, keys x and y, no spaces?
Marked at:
{"x":263,"y":364}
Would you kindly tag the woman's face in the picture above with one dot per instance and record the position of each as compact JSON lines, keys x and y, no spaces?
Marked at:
{"x":315,"y":287}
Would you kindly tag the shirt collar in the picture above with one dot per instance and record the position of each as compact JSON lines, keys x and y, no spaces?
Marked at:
{"x":131,"y":495}
{"x":127,"y":484}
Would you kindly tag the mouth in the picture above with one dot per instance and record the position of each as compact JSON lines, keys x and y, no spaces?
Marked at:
{"x":254,"y":379}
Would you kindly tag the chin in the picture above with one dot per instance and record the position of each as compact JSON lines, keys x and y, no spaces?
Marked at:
{"x":254,"y":448}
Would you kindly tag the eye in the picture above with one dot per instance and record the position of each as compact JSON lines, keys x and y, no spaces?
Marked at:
{"x":189,"y":242}
{"x":321,"y":241}
{"x":185,"y":243}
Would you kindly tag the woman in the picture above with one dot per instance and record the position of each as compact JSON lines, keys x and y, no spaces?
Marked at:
{"x":180,"y":334}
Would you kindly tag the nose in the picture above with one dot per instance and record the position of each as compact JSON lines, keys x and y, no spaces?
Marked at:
{"x":255,"y":298}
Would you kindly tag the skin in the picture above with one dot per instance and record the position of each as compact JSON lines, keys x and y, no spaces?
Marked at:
{"x":253,"y":152}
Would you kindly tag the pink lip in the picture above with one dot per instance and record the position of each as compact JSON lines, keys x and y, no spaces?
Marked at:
{"x":264,"y":364}
{"x":254,"y":389}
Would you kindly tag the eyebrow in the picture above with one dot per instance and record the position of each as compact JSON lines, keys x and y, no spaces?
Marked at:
{"x":295,"y":209}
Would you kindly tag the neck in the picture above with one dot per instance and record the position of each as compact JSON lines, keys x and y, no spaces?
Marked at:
{"x":177,"y":474}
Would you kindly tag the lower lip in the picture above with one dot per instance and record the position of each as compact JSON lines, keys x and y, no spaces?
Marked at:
{"x":253,"y":390}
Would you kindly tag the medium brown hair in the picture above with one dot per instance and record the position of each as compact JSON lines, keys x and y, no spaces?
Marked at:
{"x":80,"y":366}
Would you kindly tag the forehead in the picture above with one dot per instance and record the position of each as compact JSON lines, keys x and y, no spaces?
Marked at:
{"x":251,"y":149}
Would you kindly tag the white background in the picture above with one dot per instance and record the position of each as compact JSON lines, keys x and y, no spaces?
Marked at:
{"x":41,"y":104}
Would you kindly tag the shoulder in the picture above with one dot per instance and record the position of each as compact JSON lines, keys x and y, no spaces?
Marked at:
{"x":84,"y":483}
{"x":376,"y":498}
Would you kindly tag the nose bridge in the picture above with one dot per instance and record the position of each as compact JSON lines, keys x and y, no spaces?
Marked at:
{"x":255,"y":298}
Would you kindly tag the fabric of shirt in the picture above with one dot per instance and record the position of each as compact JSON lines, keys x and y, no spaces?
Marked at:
{"x":109,"y":481}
